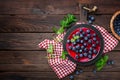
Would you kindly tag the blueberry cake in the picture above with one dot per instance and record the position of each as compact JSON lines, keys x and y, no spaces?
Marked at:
{"x":84,"y":44}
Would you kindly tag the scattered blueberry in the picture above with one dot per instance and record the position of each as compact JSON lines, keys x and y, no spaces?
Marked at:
{"x":85,"y":44}
{"x":89,"y":41}
{"x":89,"y":21}
{"x":91,"y":48}
{"x":82,"y":47}
{"x":90,"y":52}
{"x":78,"y":40}
{"x":92,"y":18}
{"x":73,"y":48}
{"x":70,"y":47}
{"x":68,"y":41}
{"x":77,"y":47}
{"x":94,"y":51}
{"x":81,"y":35}
{"x":81,"y":55}
{"x":85,"y":49}
{"x":97,"y":42}
{"x":85,"y":54}
{"x":77,"y":57}
{"x":81,"y":41}
{"x":85,"y":38}
{"x":93,"y":45}
{"x":77,"y":72}
{"x":94,"y":35}
{"x":88,"y":31}
{"x":112,"y":62}
{"x":81,"y":71}
{"x":71,"y":77}
{"x":108,"y":63}
{"x":94,"y":71}
{"x":90,"y":56}
{"x":81,"y":30}
{"x":94,"y":39}
{"x":80,"y":50}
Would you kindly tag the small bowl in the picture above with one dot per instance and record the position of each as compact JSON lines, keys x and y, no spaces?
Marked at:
{"x":112,"y":26}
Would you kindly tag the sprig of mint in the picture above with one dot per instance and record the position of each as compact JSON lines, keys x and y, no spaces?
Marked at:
{"x":64,"y":53}
{"x":69,"y":19}
{"x":101,"y":62}
{"x":50,"y":49}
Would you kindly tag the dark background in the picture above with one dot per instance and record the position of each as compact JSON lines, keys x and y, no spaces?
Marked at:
{"x":25,"y":23}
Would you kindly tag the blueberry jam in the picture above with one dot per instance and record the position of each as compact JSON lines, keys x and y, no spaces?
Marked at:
{"x":116,"y":24}
{"x":83,"y":44}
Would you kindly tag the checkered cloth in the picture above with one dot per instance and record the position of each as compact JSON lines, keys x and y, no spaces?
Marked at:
{"x":64,"y":67}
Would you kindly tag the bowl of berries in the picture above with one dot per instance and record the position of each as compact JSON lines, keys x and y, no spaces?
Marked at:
{"x":84,"y":44}
{"x":115,"y":24}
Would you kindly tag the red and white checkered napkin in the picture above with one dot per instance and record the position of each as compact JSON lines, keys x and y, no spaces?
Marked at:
{"x":64,"y":67}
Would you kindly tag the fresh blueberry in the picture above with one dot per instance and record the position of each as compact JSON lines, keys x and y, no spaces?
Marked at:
{"x":94,"y":35}
{"x":94,"y":39}
{"x":68,"y":41}
{"x":77,"y":72}
{"x":92,"y":18}
{"x":73,"y":48}
{"x":81,"y":30}
{"x":81,"y":35}
{"x":94,"y":71}
{"x":81,"y":71}
{"x":89,"y":41}
{"x":82,"y":47}
{"x":76,"y":51}
{"x":108,"y":63}
{"x":97,"y":42}
{"x":89,"y":21}
{"x":81,"y":41}
{"x":80,"y":50}
{"x":88,"y":35}
{"x":91,"y":48}
{"x":71,"y":77}
{"x":81,"y":55}
{"x":85,"y":44}
{"x":85,"y":54}
{"x":70,"y":47}
{"x":93,"y":45}
{"x":77,"y":57}
{"x":88,"y":31}
{"x":74,"y":43}
{"x":90,"y":56}
{"x":85,"y":49}
{"x":77,"y":47}
{"x":95,"y":51}
{"x":112,"y":62}
{"x":78,"y":40}
{"x":85,"y":38}
{"x":77,"y":33}
{"x":90,"y":52}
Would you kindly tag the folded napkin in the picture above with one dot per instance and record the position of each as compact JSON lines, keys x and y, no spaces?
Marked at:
{"x":62,"y":67}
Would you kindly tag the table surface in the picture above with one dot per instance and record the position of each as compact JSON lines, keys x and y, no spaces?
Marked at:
{"x":25,"y":23}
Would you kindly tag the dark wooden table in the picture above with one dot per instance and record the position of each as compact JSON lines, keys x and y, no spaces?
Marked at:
{"x":25,"y":23}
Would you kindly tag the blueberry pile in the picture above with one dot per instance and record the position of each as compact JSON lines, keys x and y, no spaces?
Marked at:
{"x":84,"y":43}
{"x":90,"y":19}
{"x":116,"y":24}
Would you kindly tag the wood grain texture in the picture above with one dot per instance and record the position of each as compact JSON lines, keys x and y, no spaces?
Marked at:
{"x":27,"y":61}
{"x":52,"y":76}
{"x":26,"y":41}
{"x":38,"y":7}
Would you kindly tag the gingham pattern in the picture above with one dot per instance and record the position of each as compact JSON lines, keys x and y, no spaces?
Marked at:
{"x":64,"y":67}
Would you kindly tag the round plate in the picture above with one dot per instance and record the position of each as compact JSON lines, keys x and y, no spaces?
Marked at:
{"x":71,"y":30}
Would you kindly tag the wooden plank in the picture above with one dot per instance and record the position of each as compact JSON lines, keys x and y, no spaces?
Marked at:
{"x":25,"y":41}
{"x":35,"y":61}
{"x":52,"y":76}
{"x":30,"y":23}
{"x":42,"y":23}
{"x":38,"y":7}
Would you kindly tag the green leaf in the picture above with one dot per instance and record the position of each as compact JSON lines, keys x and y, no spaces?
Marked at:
{"x":55,"y":29}
{"x":64,"y":53}
{"x":61,"y":30}
{"x":50,"y":49}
